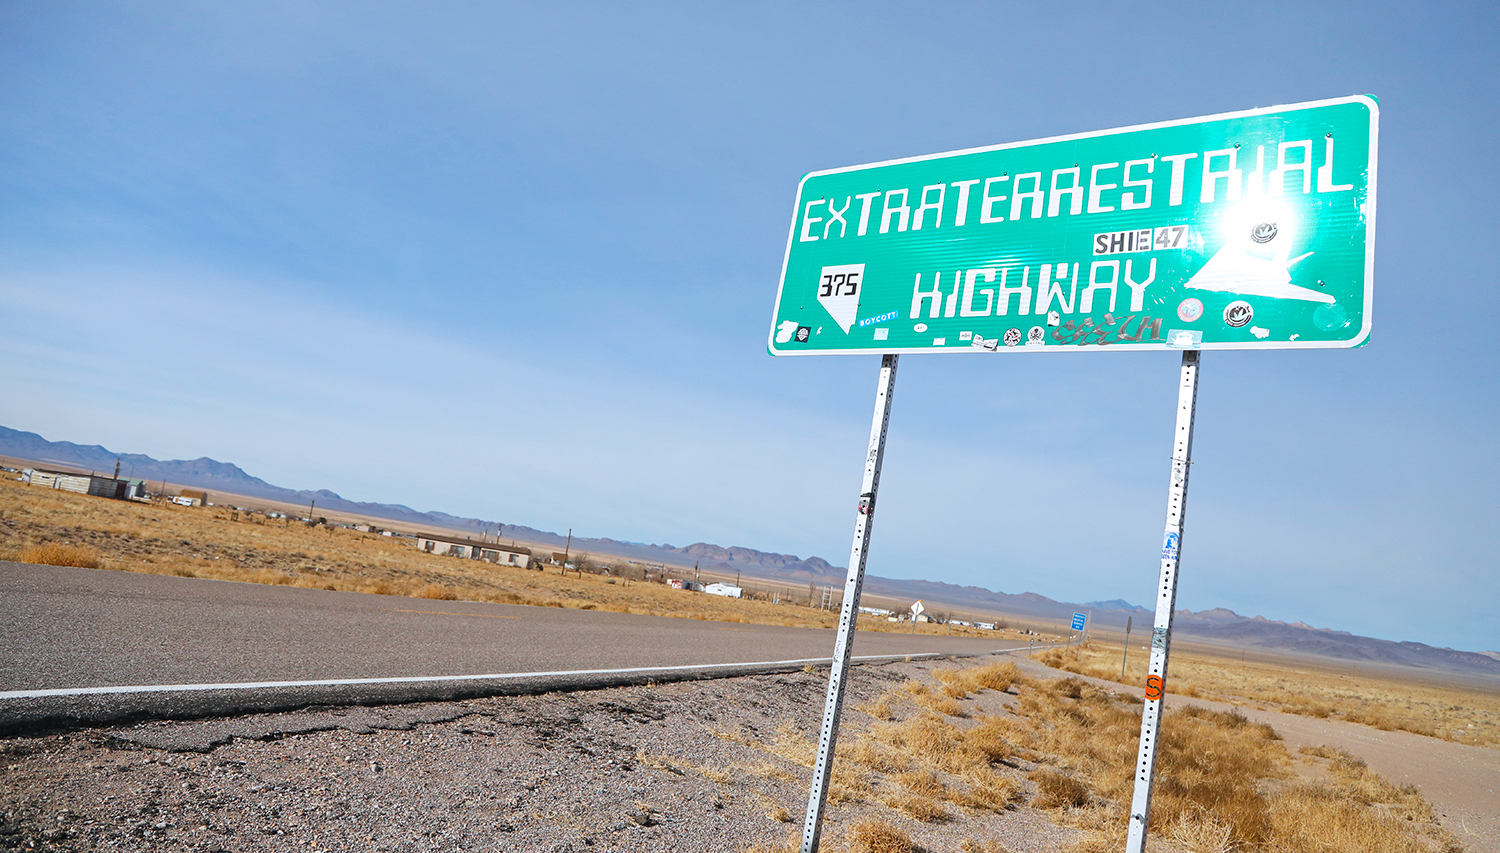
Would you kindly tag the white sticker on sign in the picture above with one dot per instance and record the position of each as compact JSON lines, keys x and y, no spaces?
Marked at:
{"x":838,"y":292}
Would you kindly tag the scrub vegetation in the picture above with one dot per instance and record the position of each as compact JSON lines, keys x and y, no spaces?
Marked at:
{"x":1350,"y":692}
{"x":1066,"y":749}
{"x":52,"y":527}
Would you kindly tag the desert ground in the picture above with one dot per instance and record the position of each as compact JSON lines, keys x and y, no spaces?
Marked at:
{"x":227,"y":544}
{"x":933,"y":758}
{"x":994,"y":755}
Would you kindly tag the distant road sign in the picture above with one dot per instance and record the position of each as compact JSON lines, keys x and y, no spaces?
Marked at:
{"x":1078,"y":621}
{"x":1247,"y":230}
{"x":916,"y":609}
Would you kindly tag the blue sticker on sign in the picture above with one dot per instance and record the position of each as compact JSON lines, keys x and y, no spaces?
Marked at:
{"x":1169,"y":545}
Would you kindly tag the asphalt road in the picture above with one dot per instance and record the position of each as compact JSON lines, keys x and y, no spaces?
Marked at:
{"x":77,"y":645}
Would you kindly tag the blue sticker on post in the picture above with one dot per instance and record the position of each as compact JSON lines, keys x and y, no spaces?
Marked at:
{"x":1169,"y":545}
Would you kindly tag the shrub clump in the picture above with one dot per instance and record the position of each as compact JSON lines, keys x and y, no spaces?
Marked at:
{"x":58,"y":554}
{"x":878,"y":836}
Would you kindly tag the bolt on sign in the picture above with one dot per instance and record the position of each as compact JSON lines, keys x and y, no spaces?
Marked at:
{"x":1245,"y":230}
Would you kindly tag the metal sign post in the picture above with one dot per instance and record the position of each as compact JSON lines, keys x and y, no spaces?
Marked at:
{"x":1166,"y":601}
{"x":843,"y":646}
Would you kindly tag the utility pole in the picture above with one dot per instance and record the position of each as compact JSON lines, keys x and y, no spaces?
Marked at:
{"x":1129,"y":620}
{"x":566,"y":549}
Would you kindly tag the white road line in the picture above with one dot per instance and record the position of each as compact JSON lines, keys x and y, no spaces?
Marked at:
{"x":421,"y":679}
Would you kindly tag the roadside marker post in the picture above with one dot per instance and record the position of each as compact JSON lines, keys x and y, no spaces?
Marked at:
{"x":1166,"y":602}
{"x":1244,"y":230}
{"x":844,"y":645}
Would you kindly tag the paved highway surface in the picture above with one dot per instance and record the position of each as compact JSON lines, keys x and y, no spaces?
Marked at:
{"x":68,"y":634}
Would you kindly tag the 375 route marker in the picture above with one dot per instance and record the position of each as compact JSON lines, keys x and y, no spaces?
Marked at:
{"x":1244,"y":230}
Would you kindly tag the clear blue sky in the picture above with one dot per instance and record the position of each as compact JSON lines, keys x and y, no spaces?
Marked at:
{"x":517,"y":262}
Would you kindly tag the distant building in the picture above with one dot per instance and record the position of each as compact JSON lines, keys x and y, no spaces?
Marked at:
{"x":86,"y":484}
{"x":470,"y":550}
{"x":725,"y":589}
{"x":988,"y":626}
{"x":194,"y":497}
{"x":680,"y":583}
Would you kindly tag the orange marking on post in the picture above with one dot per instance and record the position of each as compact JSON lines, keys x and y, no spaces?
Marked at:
{"x":1154,"y":687}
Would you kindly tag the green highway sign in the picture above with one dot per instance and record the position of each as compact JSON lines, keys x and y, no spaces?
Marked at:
{"x":1247,"y":230}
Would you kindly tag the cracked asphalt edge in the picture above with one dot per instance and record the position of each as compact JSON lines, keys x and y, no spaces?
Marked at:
{"x":32,"y":716}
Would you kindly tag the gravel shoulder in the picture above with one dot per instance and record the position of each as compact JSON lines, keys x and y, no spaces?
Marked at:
{"x":656,"y":767}
{"x":670,"y":767}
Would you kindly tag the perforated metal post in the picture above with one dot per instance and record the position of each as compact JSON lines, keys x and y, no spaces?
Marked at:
{"x":1166,"y":602}
{"x":823,"y":770}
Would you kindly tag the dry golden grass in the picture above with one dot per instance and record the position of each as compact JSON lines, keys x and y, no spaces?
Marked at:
{"x":933,"y":700}
{"x":959,"y":683}
{"x":989,"y":790}
{"x":224,"y":544}
{"x":55,"y":554}
{"x":1223,"y":783}
{"x":1056,"y":790}
{"x":878,"y":836}
{"x":1353,"y":694}
{"x":917,"y":807}
{"x":1200,"y":832}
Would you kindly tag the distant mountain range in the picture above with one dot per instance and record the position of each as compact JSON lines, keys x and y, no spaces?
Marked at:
{"x":1218,"y":625}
